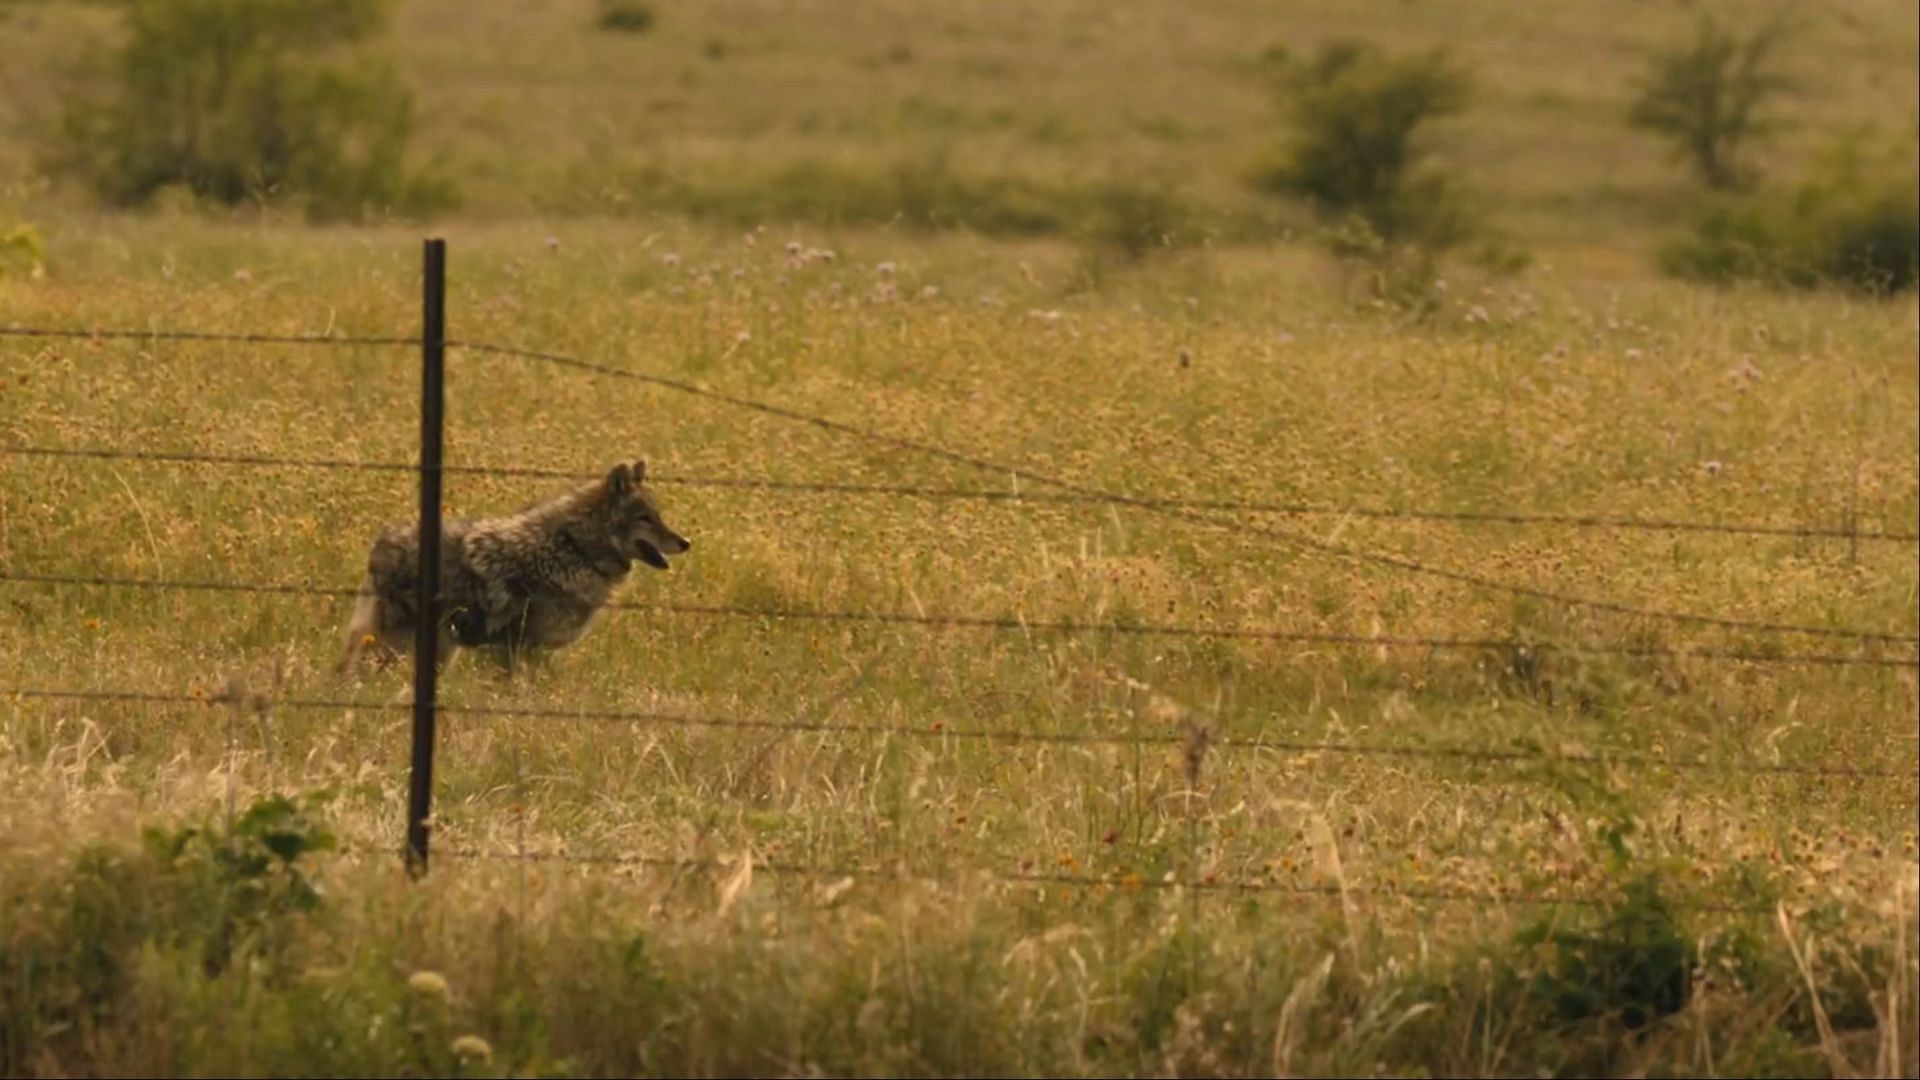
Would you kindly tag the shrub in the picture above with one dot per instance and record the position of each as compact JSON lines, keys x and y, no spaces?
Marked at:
{"x":1132,"y":219}
{"x":210,"y":901}
{"x":928,"y":193}
{"x":1403,"y":276}
{"x":1708,"y":98}
{"x":1636,"y":966}
{"x":626,"y":16}
{"x":22,"y":251}
{"x":1358,"y":158}
{"x":1121,"y":216}
{"x":1851,"y":224}
{"x":922,"y":191}
{"x":251,"y":100}
{"x":1358,"y":114}
{"x":242,"y":885}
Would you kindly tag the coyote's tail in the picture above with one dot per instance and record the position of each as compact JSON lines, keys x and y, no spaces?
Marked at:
{"x":362,"y":628}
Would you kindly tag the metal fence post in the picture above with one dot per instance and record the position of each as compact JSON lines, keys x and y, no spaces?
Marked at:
{"x":426,"y":635}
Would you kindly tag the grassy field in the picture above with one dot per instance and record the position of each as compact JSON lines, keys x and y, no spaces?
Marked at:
{"x":888,"y":893}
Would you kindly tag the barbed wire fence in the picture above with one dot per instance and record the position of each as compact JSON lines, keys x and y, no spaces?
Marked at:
{"x":1872,"y":648}
{"x":962,"y":494}
{"x":1022,"y":625}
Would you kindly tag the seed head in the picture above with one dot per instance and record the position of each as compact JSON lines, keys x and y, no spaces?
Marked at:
{"x":430,"y":984}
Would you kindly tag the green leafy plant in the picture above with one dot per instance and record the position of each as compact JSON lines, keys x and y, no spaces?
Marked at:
{"x":1636,"y":965}
{"x":247,"y":879}
{"x":22,"y":251}
{"x":202,"y":902}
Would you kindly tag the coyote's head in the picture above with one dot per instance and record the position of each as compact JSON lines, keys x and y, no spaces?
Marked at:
{"x":633,"y":518}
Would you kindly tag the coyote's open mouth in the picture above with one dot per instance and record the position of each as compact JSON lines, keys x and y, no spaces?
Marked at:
{"x":651,"y":555}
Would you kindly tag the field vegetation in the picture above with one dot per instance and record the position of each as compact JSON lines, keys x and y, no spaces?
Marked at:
{"x":1482,"y":801}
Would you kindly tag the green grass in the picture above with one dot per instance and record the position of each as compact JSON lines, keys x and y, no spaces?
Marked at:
{"x":1218,"y":370}
{"x":484,"y":973}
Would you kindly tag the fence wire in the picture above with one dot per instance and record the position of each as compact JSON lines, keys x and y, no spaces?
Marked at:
{"x":139,"y":334}
{"x":940,"y":731}
{"x":946,"y":493}
{"x":1299,"y":540}
{"x":1012,"y":624}
{"x":1118,"y":883}
{"x":1058,"y":490}
{"x":1205,"y":883}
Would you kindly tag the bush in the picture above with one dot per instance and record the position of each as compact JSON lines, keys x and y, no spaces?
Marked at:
{"x":1133,"y":220}
{"x":928,"y":193}
{"x":1707,"y":98}
{"x":1851,"y":224}
{"x":1358,"y":114}
{"x":626,"y":16}
{"x":1635,"y":967}
{"x":241,"y":886}
{"x":1402,"y":276}
{"x":251,"y":100}
{"x":1357,"y":158}
{"x":211,"y":900}
{"x":924,"y":192}
{"x":22,"y":251}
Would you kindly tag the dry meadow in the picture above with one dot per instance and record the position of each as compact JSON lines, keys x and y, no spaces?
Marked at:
{"x":1302,"y":757}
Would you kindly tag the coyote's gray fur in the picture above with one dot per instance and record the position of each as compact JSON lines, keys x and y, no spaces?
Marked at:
{"x":534,"y":580}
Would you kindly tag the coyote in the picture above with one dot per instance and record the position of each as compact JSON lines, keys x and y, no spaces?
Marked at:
{"x":534,"y":580}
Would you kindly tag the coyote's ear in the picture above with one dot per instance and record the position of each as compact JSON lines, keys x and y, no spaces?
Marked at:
{"x":639,"y":472}
{"x":619,"y":481}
